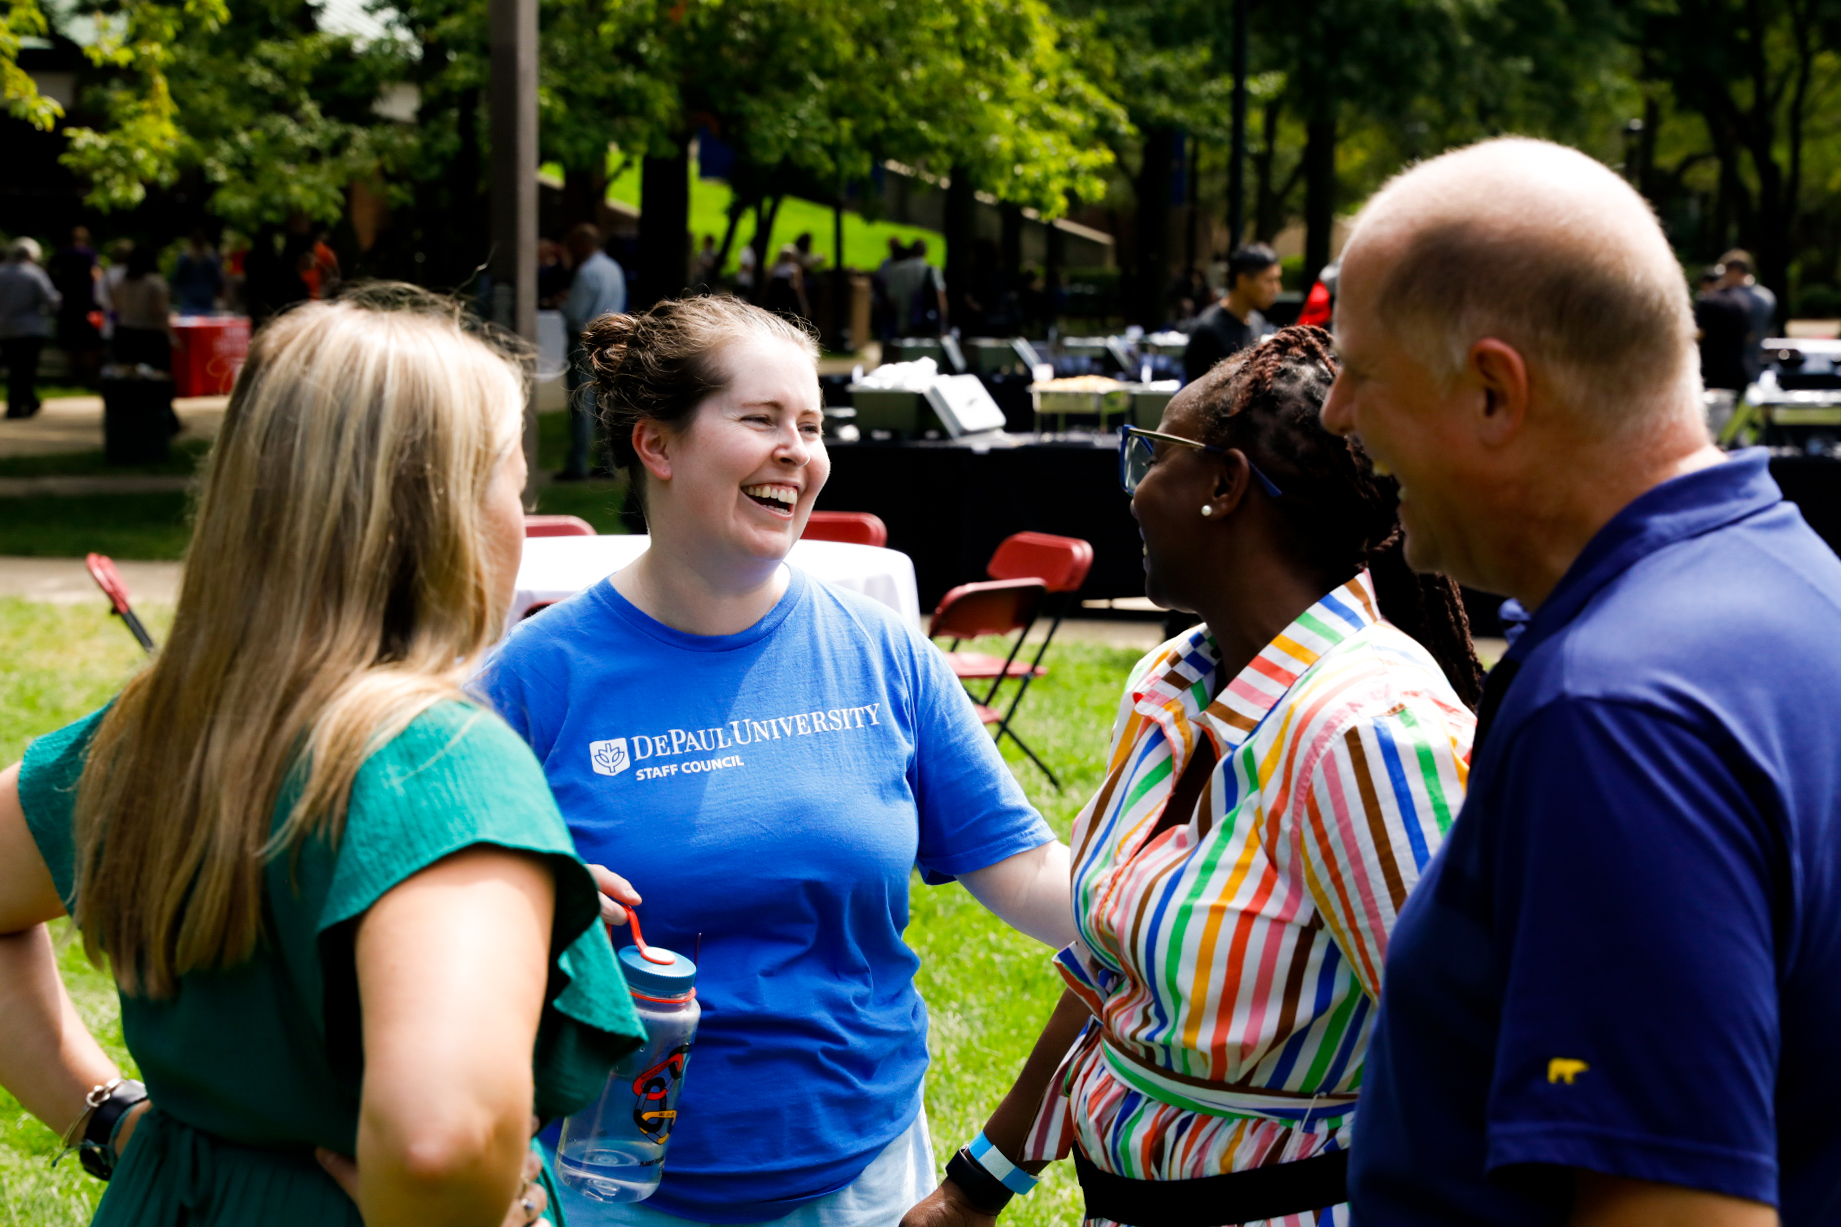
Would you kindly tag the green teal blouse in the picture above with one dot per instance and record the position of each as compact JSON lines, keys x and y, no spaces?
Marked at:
{"x":250,"y":1068}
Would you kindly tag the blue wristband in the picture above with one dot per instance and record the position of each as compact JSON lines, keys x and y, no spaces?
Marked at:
{"x":992,"y":1160}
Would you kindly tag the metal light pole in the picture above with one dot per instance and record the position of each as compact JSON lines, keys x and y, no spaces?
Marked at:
{"x":1236,"y":164}
{"x":513,"y":127}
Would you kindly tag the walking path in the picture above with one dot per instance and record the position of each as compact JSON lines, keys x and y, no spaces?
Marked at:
{"x":74,"y":424}
{"x":66,"y":581}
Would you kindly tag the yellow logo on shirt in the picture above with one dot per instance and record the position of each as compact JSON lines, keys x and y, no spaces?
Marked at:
{"x":1565,"y":1069}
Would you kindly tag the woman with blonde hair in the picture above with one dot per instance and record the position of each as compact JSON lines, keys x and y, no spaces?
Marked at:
{"x":341,"y":908}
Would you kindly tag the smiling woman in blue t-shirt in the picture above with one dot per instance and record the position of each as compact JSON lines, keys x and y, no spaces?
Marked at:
{"x":766,"y":758}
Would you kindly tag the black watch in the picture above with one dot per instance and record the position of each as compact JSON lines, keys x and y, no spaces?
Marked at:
{"x":980,"y":1187}
{"x":96,"y":1152}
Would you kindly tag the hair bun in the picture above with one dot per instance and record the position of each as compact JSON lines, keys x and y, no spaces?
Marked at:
{"x":605,"y":342}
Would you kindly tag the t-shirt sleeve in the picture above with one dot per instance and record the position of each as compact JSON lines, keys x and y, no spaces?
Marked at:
{"x":501,"y":684}
{"x":972,"y":811}
{"x":1377,"y":802}
{"x":1633,"y":929}
{"x":458,"y":778}
{"x":48,"y":781}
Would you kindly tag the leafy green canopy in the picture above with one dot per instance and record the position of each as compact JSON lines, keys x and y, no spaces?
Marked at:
{"x":279,"y":115}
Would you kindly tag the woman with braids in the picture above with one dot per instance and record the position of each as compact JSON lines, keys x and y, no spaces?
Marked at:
{"x":767,"y":759}
{"x":1279,"y":778}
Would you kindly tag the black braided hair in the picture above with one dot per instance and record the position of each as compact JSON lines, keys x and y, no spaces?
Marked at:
{"x":1267,"y":401}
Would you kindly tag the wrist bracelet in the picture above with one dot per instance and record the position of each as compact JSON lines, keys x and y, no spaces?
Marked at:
{"x":985,"y":1191}
{"x":92,"y":1135}
{"x":992,"y":1160}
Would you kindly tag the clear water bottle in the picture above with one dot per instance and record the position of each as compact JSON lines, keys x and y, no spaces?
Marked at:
{"x":614,"y":1149}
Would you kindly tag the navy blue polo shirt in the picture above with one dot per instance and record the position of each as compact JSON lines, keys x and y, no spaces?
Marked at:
{"x":1627,"y":956}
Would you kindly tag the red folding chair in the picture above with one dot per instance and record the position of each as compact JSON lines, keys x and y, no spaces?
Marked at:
{"x":997,"y":607}
{"x":558,"y":526}
{"x":855,"y":527}
{"x":1060,"y":565}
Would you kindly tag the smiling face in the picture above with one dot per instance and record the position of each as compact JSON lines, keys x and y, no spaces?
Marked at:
{"x":738,"y":483}
{"x":1407,"y":419}
{"x":1167,"y":505}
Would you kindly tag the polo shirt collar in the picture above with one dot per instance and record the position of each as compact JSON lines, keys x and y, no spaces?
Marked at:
{"x":1178,"y":696}
{"x":1678,"y":509}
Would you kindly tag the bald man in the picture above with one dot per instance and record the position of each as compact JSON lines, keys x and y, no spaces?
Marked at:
{"x":1615,"y":996}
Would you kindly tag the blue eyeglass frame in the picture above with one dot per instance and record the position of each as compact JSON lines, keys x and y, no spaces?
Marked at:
{"x":1130,"y":436}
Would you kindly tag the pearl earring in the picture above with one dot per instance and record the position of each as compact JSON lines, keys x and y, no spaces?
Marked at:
{"x":1207,"y":510}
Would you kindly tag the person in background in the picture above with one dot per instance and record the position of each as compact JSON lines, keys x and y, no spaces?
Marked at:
{"x":703,"y":265}
{"x":918,"y":291}
{"x":339,"y":904}
{"x":786,"y":285}
{"x":236,"y":259}
{"x":1723,"y":321}
{"x":1188,"y":297}
{"x":745,"y":270}
{"x":1612,"y":999}
{"x":809,"y":260}
{"x":1737,"y":273}
{"x":318,"y":265}
{"x":110,"y":280}
{"x":769,"y":759}
{"x":598,"y":288}
{"x":1234,"y":323}
{"x":552,"y":275}
{"x":882,"y":302}
{"x":143,"y":328}
{"x":198,"y":278}
{"x":28,"y":301}
{"x":74,"y":272}
{"x":1278,"y":780}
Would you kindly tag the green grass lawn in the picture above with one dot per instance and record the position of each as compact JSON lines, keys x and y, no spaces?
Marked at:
{"x":987,"y":988}
{"x":184,"y":458}
{"x":120,"y":525}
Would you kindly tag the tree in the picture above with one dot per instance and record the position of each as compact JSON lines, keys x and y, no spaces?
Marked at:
{"x":812,"y":94}
{"x":1170,"y":72}
{"x":135,"y":38}
{"x":1753,"y":83}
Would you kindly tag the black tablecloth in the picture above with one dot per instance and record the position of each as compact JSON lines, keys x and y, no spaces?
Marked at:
{"x":948,"y":505}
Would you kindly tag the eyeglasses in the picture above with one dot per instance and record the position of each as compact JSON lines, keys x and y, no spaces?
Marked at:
{"x":1136,"y":455}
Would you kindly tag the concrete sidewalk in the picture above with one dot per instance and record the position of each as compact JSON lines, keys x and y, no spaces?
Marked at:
{"x":66,"y":581}
{"x":74,"y":424}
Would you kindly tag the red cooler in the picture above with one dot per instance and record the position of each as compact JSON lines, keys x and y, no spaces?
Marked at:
{"x":208,"y":351}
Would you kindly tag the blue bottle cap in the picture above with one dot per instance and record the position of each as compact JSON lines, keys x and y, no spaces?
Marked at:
{"x":673,"y":979}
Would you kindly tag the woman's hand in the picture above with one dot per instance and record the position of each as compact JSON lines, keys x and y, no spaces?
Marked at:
{"x":946,"y":1206}
{"x":615,"y":890}
{"x":526,"y":1208}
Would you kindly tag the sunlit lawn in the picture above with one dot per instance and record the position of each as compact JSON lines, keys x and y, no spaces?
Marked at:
{"x":988,"y":989}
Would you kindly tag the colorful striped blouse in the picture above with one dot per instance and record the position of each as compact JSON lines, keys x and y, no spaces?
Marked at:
{"x":1233,"y":960}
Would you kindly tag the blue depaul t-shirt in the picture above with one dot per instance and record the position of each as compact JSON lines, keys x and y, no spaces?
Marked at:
{"x":1625,"y":958}
{"x":768,"y":794}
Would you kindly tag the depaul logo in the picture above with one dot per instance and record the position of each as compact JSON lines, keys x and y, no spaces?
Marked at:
{"x":609,"y":757}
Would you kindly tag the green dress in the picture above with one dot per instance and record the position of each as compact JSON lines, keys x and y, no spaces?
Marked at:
{"x":249,"y":1069}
